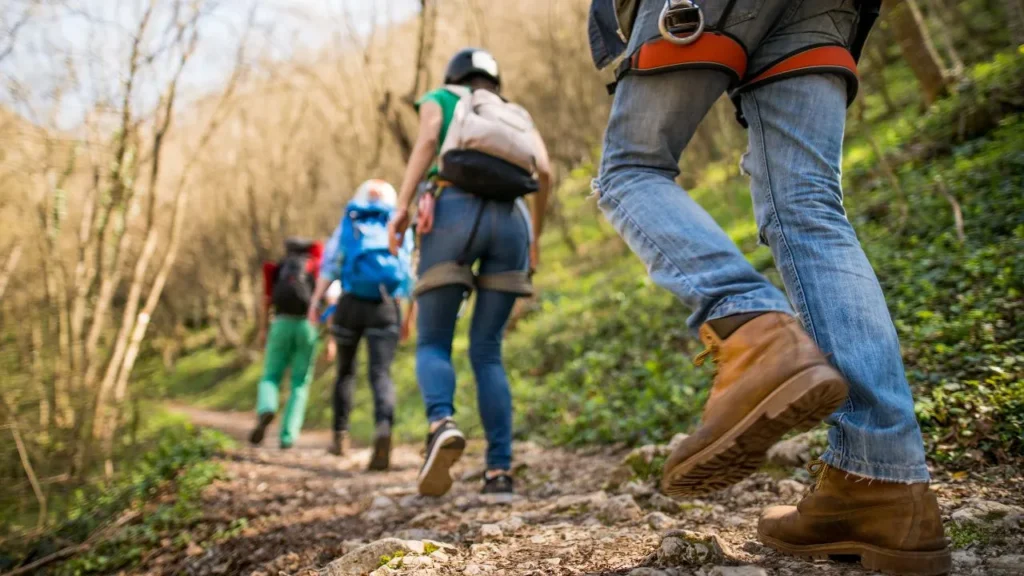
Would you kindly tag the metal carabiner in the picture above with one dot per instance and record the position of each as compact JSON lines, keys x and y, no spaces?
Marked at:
{"x":691,"y":23}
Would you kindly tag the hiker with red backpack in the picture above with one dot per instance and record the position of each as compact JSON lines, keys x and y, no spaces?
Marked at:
{"x":291,"y":341}
{"x":489,"y":156}
{"x":373,"y":280}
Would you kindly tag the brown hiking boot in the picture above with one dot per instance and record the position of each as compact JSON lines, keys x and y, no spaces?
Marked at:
{"x":894,"y":528}
{"x":339,"y":444}
{"x":771,"y":379}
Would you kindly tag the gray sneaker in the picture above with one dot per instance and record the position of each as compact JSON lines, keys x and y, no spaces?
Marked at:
{"x":444,"y":448}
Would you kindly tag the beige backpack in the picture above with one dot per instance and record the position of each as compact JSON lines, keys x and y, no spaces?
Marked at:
{"x":486,"y":125}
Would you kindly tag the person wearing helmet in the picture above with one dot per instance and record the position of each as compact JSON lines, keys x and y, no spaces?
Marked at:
{"x":372,"y":280}
{"x":459,"y":227}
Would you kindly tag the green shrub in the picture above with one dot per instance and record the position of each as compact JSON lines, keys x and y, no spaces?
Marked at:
{"x":163,"y":491}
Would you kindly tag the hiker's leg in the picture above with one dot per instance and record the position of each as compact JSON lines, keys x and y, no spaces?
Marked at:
{"x":301,"y":373}
{"x":796,"y":137}
{"x":347,"y":341}
{"x":686,"y":252}
{"x":382,"y":343}
{"x":275,"y":362}
{"x":454,"y":215}
{"x":435,"y":328}
{"x":494,"y":398}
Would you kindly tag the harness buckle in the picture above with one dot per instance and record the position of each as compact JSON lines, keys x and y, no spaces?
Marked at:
{"x":681,"y":21}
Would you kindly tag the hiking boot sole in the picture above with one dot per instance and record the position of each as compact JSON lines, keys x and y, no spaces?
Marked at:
{"x":257,"y":435}
{"x":381,"y":459}
{"x":798,"y":404}
{"x":894,"y":562}
{"x":435,"y":479}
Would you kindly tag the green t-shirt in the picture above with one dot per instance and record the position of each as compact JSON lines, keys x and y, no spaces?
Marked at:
{"x":447,"y":101}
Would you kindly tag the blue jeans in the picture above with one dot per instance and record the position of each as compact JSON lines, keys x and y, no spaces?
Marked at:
{"x":793,"y":160}
{"x":501,"y":245}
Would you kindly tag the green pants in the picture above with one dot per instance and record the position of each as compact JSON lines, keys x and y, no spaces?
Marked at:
{"x":290,"y":342}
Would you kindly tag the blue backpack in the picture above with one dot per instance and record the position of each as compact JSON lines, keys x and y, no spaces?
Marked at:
{"x":369,"y":271}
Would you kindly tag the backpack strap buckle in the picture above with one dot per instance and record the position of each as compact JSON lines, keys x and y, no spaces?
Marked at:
{"x":681,"y":21}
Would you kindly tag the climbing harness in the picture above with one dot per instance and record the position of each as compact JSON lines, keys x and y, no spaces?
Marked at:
{"x":460,"y":271}
{"x":681,"y":22}
{"x":686,"y":41}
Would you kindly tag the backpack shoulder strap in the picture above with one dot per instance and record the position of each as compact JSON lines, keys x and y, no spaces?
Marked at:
{"x":460,"y":91}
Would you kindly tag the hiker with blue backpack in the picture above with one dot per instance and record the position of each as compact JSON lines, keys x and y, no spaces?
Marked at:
{"x":372,"y":281}
{"x":475,"y":234}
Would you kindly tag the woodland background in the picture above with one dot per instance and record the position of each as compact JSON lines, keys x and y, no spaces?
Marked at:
{"x":138,"y":205}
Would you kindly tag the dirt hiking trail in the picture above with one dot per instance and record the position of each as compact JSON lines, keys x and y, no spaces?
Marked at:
{"x":303,"y":512}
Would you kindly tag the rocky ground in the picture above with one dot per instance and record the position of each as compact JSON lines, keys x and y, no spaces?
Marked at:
{"x":304,"y":513}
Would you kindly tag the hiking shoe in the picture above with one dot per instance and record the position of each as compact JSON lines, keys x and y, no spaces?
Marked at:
{"x":894,"y":528}
{"x":263,"y":420}
{"x":500,"y":484}
{"x":381,"y":458}
{"x":444,"y":448}
{"x":771,"y":378}
{"x":339,"y":443}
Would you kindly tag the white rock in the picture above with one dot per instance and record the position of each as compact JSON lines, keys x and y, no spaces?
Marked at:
{"x":660,"y":522}
{"x":621,"y":508}
{"x":416,"y":562}
{"x":584,"y":501}
{"x":793,"y":452}
{"x":440,"y":556}
{"x":511,"y":525}
{"x":744,"y":499}
{"x":382,"y":503}
{"x":978,"y":511}
{"x":636,"y":489}
{"x":965,"y":559}
{"x":737,"y":571}
{"x":478,"y":550}
{"x":477,"y":569}
{"x":367,"y":558}
{"x":491,"y":532}
{"x":790,"y":490}
{"x":663,"y":503}
{"x":676,"y":441}
{"x":735,"y":520}
{"x":683,"y":547}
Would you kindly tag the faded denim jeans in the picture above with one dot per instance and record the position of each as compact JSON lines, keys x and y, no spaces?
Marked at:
{"x":501,"y":244}
{"x":793,"y":160}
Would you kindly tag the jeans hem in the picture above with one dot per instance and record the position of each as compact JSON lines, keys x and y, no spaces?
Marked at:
{"x":734,"y":306}
{"x":909,"y":474}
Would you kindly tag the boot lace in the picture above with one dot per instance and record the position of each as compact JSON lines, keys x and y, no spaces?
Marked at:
{"x":709,"y":352}
{"x":817,"y":468}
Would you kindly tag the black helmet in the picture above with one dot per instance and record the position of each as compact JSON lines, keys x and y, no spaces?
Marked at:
{"x":470,"y":62}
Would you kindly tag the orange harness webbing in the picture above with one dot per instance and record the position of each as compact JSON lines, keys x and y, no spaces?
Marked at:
{"x":717,"y":51}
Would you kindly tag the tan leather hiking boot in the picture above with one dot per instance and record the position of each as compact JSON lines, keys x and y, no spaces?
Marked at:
{"x":771,"y":379}
{"x":894,"y":528}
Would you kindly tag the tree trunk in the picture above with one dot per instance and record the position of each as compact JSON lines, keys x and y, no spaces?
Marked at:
{"x":8,"y":269}
{"x":947,"y":22}
{"x":1015,"y":20}
{"x":916,"y":44}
